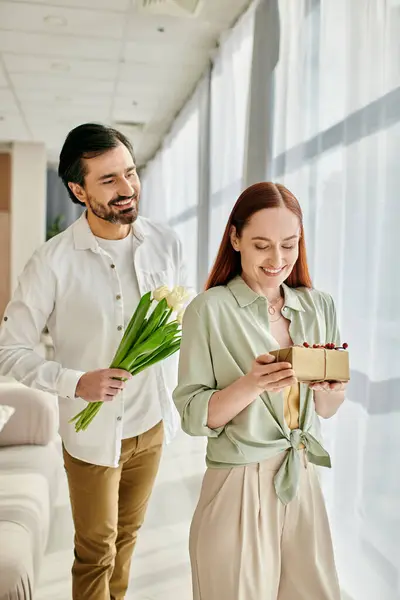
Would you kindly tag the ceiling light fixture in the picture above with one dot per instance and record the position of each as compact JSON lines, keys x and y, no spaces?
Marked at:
{"x":55,"y":21}
{"x":172,"y":7}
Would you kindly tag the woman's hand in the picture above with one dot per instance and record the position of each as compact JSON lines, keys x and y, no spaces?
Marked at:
{"x":328,"y":397}
{"x":266,"y":375}
{"x":328,"y":386}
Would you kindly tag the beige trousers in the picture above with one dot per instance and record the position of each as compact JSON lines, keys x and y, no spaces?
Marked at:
{"x":108,"y":509}
{"x":246,"y":545}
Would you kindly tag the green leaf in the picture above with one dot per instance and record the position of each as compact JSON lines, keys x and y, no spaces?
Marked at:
{"x":163,"y":337}
{"x":152,"y":343}
{"x":133,"y":330}
{"x":148,"y":358}
{"x":166,"y":317}
{"x":157,"y":357}
{"x":170,"y":328}
{"x":154,"y":321}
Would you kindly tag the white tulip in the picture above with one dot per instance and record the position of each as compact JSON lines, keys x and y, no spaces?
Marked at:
{"x":177,"y":297}
{"x":161,"y":293}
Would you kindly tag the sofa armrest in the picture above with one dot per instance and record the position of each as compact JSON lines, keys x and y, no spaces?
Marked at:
{"x":35,"y":420}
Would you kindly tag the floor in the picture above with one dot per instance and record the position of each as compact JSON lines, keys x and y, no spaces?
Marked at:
{"x":160,"y":568}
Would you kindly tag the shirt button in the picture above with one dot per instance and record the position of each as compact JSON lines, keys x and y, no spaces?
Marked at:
{"x":112,"y":266}
{"x":6,"y":318}
{"x":119,"y":418}
{"x":118,"y":297}
{"x":119,"y":328}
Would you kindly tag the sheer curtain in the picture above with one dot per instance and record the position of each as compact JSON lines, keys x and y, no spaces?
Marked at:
{"x":230,"y":85}
{"x":153,"y":203}
{"x":170,"y":181}
{"x":196,"y":177}
{"x":336,"y":146}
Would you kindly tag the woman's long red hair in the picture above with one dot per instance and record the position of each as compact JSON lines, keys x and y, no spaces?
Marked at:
{"x":255,"y":198}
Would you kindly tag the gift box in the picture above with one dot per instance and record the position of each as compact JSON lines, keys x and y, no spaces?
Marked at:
{"x":316,"y":364}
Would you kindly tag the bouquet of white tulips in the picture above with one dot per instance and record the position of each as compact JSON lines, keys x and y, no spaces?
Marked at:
{"x":149,"y":338}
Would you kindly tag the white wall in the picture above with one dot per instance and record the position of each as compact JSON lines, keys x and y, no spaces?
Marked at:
{"x":28,"y":203}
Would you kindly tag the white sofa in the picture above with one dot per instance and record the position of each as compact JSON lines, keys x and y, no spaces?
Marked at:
{"x":30,"y":469}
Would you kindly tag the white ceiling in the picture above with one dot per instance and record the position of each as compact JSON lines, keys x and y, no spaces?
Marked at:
{"x":65,"y":62}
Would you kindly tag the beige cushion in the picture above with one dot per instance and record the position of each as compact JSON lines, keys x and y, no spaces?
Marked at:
{"x":36,"y":416}
{"x":29,"y":477}
{"x":24,"y":500}
{"x":16,"y":562}
{"x":41,"y":460}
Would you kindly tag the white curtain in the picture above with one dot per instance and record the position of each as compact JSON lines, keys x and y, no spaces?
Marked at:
{"x":196,"y":177}
{"x":230,"y":85}
{"x":153,"y":203}
{"x":337,"y":147}
{"x":170,"y":182}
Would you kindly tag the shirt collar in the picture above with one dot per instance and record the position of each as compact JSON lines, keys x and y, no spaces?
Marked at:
{"x":292,"y":299}
{"x":245,"y":296}
{"x":85,"y":240}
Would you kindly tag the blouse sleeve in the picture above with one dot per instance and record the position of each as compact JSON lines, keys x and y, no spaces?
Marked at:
{"x":196,"y":380}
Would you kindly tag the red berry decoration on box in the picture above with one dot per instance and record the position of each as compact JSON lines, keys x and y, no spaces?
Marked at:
{"x":328,"y":346}
{"x":343,"y":347}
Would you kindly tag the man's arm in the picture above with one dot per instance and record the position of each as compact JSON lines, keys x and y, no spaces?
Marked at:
{"x":24,"y":320}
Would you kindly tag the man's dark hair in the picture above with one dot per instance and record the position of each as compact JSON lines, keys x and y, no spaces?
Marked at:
{"x":86,"y":141}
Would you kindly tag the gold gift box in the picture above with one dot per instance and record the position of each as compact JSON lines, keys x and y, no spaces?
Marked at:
{"x":316,"y":364}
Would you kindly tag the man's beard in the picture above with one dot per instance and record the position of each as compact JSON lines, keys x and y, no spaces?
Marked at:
{"x":115,"y":215}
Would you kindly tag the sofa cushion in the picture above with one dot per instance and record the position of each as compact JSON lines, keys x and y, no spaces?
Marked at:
{"x":45,"y":461}
{"x":24,"y":500}
{"x":36,"y":415}
{"x":16,"y":562}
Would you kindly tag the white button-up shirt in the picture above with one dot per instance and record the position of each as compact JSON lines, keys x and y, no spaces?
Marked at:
{"x":72,"y":286}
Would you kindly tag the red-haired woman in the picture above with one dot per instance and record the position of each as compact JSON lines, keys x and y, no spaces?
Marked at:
{"x":260,"y":530}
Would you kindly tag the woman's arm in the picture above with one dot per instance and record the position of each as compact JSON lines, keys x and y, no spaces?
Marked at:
{"x":265,"y":375}
{"x":204,"y":409}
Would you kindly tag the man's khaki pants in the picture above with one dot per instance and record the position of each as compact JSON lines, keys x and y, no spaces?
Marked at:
{"x":108,"y":509}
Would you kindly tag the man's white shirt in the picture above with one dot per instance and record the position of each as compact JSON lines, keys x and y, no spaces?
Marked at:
{"x":79,"y":289}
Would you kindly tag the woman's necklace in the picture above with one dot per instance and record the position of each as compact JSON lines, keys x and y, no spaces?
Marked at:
{"x":272,"y":309}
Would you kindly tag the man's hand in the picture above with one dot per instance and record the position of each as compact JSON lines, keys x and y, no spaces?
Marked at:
{"x":102,"y":385}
